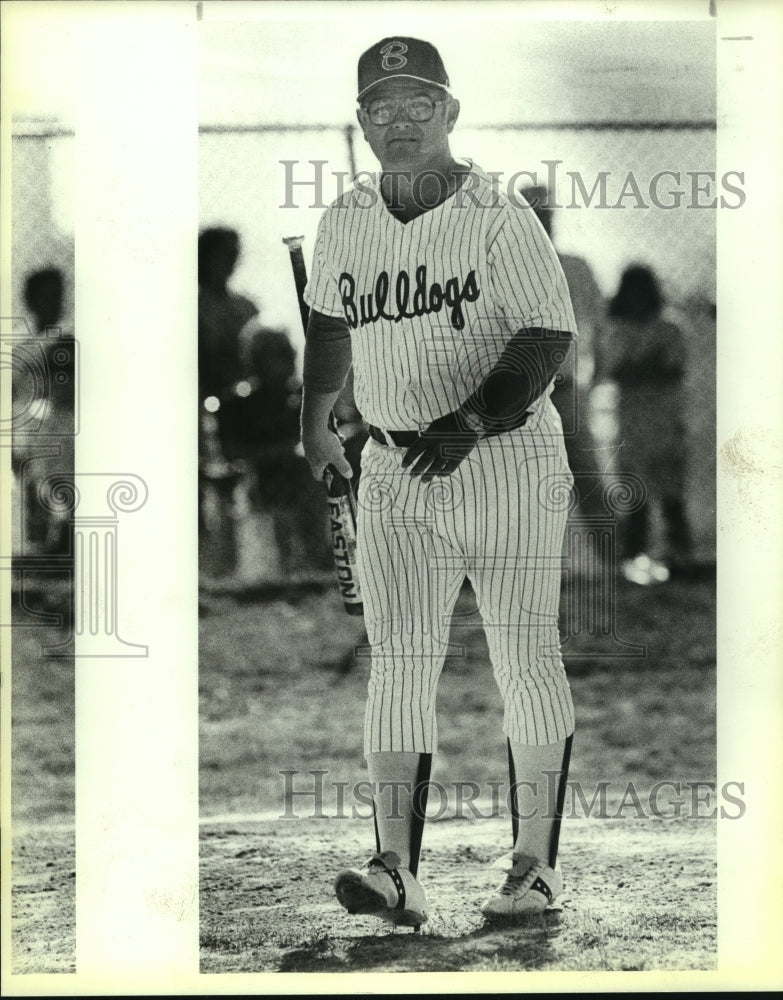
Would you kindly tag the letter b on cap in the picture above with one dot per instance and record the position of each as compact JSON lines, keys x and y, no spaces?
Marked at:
{"x":394,"y":56}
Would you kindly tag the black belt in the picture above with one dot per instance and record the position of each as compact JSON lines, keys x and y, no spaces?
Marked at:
{"x":404,"y":439}
{"x":401,"y":439}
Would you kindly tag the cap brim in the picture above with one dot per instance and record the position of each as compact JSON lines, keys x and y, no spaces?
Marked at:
{"x":402,"y":76}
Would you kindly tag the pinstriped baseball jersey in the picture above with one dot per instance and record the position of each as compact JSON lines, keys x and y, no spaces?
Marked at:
{"x":431,"y":303}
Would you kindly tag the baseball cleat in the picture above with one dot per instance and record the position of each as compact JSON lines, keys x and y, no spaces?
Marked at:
{"x":383,"y":889}
{"x":527,"y":888}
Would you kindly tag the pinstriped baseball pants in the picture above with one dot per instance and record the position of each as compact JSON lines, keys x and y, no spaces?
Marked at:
{"x":499,"y":519}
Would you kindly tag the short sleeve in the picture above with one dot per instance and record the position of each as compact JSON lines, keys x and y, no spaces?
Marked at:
{"x":527,"y":281}
{"x":321,"y":292}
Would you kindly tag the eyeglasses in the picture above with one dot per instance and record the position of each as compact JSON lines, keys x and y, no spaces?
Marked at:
{"x":418,"y":109}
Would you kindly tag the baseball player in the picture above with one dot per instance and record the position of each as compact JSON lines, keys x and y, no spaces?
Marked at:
{"x":451,"y":304}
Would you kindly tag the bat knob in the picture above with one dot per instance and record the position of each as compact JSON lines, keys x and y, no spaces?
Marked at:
{"x":293,"y":241}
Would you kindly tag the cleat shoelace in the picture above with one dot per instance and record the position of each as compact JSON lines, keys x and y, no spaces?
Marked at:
{"x":515,"y":883}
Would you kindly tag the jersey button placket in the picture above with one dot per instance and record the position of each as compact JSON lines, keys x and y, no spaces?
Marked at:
{"x":411,"y":397}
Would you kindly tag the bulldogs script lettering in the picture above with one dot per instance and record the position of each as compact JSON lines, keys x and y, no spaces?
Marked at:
{"x":372,"y":306}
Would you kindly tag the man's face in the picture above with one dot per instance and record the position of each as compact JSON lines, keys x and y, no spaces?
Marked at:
{"x":404,"y":142}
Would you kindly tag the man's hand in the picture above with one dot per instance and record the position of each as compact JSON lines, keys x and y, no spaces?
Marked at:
{"x":440,"y":448}
{"x":321,"y":445}
{"x":323,"y":448}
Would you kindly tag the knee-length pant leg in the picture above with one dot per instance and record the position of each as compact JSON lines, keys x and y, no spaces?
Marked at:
{"x":515,"y":568}
{"x":410,"y":577}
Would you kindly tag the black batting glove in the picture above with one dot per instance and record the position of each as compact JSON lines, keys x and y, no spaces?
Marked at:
{"x":441,"y":447}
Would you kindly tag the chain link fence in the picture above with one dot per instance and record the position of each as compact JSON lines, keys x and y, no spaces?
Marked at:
{"x":269,"y":182}
{"x":622,"y":194}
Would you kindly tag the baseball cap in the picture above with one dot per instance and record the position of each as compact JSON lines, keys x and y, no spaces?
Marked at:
{"x":397,"y":56}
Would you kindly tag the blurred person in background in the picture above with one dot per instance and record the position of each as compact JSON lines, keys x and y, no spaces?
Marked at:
{"x":278,"y":476}
{"x":643,"y":353}
{"x":223,"y":320}
{"x":222,"y":316}
{"x":571,"y":394}
{"x":43,"y":296}
{"x":256,"y":495}
{"x":43,"y":385}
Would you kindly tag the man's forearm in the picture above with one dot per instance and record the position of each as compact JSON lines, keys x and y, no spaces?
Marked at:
{"x":527,"y":365}
{"x":327,"y":355}
{"x":327,"y":361}
{"x":316,"y":407}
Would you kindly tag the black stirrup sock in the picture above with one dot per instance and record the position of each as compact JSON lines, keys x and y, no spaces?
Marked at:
{"x":419,"y":808}
{"x":512,"y":799}
{"x":561,"y":790}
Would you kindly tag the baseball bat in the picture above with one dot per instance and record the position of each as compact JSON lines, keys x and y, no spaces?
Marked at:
{"x":340,"y":501}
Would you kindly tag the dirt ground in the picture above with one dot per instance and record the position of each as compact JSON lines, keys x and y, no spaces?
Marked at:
{"x":43,"y":903}
{"x":640,"y":895}
{"x":281,"y":690}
